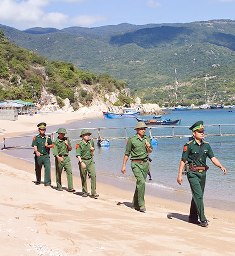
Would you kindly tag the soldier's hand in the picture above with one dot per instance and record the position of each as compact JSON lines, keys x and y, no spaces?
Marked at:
{"x":123,"y":170}
{"x":46,"y":144}
{"x":180,"y":179}
{"x":223,"y":169}
{"x":38,"y":153}
{"x":147,"y":144}
{"x":66,"y":142}
{"x":60,"y":158}
{"x":92,"y":149}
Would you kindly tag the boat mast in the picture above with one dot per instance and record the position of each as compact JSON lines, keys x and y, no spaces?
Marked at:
{"x":176,"y":85}
{"x":205,"y":90}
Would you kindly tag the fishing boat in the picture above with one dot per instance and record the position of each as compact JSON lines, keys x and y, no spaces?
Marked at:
{"x":182,"y":108}
{"x":159,"y":122}
{"x":126,"y":113}
{"x":216,"y":106}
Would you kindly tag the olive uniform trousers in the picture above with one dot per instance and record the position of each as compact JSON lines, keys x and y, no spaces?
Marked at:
{"x":140,"y":171}
{"x":90,"y":169}
{"x":64,"y":165}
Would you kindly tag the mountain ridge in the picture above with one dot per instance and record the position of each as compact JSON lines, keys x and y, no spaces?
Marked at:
{"x":146,"y":56}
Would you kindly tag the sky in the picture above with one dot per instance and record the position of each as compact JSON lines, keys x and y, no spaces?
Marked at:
{"x":23,"y":14}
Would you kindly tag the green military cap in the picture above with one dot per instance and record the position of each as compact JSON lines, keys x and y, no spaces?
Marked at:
{"x":42,"y":125}
{"x":85,"y":132}
{"x":140,"y":125}
{"x":197,"y":126}
{"x":61,"y":130}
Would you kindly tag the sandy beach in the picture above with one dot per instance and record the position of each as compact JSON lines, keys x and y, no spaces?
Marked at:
{"x":38,"y":220}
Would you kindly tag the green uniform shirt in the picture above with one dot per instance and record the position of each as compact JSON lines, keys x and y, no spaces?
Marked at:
{"x":196,"y":154}
{"x":136,"y":147}
{"x":60,"y":147}
{"x":40,"y":141}
{"x":83,"y":149}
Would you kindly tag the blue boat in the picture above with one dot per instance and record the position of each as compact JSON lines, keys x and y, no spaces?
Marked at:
{"x":158,"y":122}
{"x":111,"y":115}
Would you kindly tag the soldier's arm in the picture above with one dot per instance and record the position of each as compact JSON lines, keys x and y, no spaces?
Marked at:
{"x":49,"y":143}
{"x":125,"y":158}
{"x":78,"y":152}
{"x":180,"y":172}
{"x":182,"y":163}
{"x":217,"y":163}
{"x":68,"y":144}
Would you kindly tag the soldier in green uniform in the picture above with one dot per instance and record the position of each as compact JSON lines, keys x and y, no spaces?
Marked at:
{"x":84,"y":153}
{"x":62,"y":146}
{"x":193,"y":159}
{"x":41,"y":145}
{"x":138,"y":147}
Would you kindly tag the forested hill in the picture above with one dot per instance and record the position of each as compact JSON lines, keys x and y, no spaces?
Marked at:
{"x":151,"y":58}
{"x":24,"y":75}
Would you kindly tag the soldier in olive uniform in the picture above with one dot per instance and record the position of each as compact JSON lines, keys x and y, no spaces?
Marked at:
{"x":194,"y":157}
{"x":138,"y":147}
{"x":41,"y":145}
{"x":62,"y":146}
{"x":84,"y":152}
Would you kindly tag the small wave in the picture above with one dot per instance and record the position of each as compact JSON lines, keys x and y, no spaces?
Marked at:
{"x":161,"y":186}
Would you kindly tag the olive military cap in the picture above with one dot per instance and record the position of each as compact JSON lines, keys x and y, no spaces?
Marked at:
{"x":61,"y":130}
{"x":140,"y":125}
{"x":85,"y":132}
{"x":42,"y":125}
{"x":197,"y":126}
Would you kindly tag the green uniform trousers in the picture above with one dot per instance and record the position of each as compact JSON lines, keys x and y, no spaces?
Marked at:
{"x":197,"y":181}
{"x":64,"y":165}
{"x":140,"y":171}
{"x":40,"y":161}
{"x":90,"y":169}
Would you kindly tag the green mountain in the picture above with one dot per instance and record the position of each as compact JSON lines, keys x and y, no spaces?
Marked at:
{"x":150,"y":58}
{"x":24,"y":74}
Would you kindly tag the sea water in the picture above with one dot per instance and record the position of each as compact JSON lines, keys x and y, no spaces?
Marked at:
{"x":220,"y":189}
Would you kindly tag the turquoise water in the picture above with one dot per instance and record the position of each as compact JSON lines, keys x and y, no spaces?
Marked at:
{"x":220,"y":189}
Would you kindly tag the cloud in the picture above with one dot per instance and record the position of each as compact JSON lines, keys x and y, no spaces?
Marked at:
{"x":85,"y":20}
{"x":153,"y":4}
{"x":29,"y":13}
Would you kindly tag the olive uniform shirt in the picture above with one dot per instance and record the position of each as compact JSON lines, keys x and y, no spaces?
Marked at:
{"x":40,"y":141}
{"x":60,"y":148}
{"x":196,"y":154}
{"x":83,"y":149}
{"x":136,"y":147}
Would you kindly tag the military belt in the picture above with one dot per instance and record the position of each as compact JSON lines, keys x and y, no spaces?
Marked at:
{"x":139,"y":160}
{"x":60,"y":155}
{"x":198,"y":168}
{"x":86,"y":158}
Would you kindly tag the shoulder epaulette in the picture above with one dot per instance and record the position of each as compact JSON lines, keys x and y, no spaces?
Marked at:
{"x":189,"y":142}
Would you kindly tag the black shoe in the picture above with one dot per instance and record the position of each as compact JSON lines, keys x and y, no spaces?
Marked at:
{"x":95,"y":196}
{"x":59,"y":189}
{"x":37,"y":182}
{"x":142,"y":209}
{"x":84,"y":194}
{"x":194,"y":221}
{"x":204,"y":223}
{"x":71,"y":190}
{"x":47,"y":184}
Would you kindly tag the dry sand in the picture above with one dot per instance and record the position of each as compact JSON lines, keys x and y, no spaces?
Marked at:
{"x":38,"y":220}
